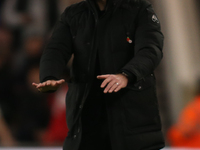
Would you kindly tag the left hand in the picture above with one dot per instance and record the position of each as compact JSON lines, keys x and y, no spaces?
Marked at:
{"x":49,"y":85}
{"x":113,"y":82}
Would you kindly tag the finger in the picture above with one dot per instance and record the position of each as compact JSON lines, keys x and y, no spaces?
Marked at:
{"x":39,"y":85}
{"x":60,"y":81}
{"x":43,"y":84}
{"x":35,"y":84}
{"x":103,"y":76}
{"x":53,"y":83}
{"x":118,"y":88}
{"x":49,"y":82}
{"x":109,"y":86}
{"x":106,"y":81}
{"x":113,"y":87}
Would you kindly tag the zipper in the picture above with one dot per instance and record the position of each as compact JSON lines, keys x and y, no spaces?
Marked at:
{"x":96,"y":17}
{"x":93,"y":41}
{"x":89,"y":64}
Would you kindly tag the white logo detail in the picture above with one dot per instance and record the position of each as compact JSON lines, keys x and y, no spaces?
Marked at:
{"x":155,"y":19}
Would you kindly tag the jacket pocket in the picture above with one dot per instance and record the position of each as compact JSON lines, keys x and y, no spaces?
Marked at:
{"x":142,"y":84}
{"x":140,"y":94}
{"x":141,"y":107}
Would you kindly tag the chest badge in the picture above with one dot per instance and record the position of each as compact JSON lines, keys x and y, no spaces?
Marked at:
{"x":129,"y":40}
{"x":155,"y":19}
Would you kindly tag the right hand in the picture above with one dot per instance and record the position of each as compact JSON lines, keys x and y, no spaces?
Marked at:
{"x":49,"y":85}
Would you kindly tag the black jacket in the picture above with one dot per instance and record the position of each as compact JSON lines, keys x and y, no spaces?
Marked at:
{"x":128,"y":39}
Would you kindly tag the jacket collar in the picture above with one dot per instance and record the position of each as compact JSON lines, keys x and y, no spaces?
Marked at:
{"x":110,"y":4}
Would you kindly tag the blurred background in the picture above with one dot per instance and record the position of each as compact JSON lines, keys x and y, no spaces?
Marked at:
{"x":29,"y":118}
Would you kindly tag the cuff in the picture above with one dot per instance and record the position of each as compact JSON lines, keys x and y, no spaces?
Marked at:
{"x":131,"y":77}
{"x":49,"y":78}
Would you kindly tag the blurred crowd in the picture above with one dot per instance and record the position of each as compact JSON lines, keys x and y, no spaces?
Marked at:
{"x":186,"y":131}
{"x":28,"y":117}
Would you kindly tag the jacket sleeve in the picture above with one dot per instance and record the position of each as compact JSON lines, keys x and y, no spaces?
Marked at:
{"x":57,"y":52}
{"x":148,"y":45}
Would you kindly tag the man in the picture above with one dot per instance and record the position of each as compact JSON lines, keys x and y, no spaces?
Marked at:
{"x":111,"y":102}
